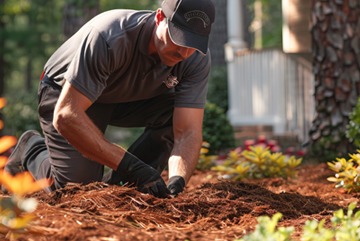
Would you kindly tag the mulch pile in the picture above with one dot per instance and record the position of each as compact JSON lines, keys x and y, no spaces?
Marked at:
{"x":207,"y":210}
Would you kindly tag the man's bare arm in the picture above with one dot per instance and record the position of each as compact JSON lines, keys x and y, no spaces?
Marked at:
{"x":187,"y":124}
{"x":71,"y":121}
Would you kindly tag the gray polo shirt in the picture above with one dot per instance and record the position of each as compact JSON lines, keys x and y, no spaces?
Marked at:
{"x":107,"y":60}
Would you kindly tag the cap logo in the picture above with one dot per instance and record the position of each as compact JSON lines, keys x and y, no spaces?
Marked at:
{"x":198,"y":14}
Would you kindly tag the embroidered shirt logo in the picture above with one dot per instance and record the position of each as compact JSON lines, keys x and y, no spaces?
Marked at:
{"x":197,"y":14}
{"x":171,"y":81}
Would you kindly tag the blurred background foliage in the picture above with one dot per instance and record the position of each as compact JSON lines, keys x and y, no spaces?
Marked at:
{"x":353,"y":128}
{"x":217,"y":130}
{"x":217,"y":88}
{"x":271,"y":23}
{"x":31,"y":30}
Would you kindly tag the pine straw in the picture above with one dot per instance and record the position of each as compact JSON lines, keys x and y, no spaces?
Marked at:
{"x":105,"y":212}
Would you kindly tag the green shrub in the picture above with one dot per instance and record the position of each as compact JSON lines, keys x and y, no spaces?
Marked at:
{"x":20,"y":113}
{"x":206,"y":161}
{"x":218,"y":88}
{"x":344,"y":228}
{"x":347,"y":172}
{"x":266,"y":230}
{"x":353,"y":128}
{"x":217,"y":130}
{"x":258,"y":163}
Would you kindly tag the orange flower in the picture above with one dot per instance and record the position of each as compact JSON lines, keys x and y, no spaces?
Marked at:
{"x":3,"y":160}
{"x":2,"y":102}
{"x":6,"y":142}
{"x":22,"y":183}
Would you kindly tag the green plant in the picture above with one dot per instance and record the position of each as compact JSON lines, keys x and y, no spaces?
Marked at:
{"x":316,"y":231}
{"x":205,"y":161}
{"x":266,"y":230}
{"x":267,"y":164}
{"x":344,"y":228}
{"x":347,"y":172}
{"x":217,"y":129}
{"x":20,"y":113}
{"x":349,"y":225}
{"x":271,"y":22}
{"x":353,"y":128}
{"x":218,"y":88}
{"x":258,"y":162}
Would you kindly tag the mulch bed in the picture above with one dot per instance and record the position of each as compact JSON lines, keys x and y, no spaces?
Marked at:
{"x":207,"y":210}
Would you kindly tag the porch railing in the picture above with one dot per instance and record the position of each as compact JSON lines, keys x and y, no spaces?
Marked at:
{"x":271,"y":88}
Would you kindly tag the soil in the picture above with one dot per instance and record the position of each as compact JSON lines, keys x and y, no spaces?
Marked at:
{"x":208,"y":209}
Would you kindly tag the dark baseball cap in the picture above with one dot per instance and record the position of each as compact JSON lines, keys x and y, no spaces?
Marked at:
{"x":190,"y":22}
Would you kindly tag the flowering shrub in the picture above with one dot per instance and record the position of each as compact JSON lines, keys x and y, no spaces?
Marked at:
{"x":347,"y":172}
{"x":14,"y":210}
{"x":274,"y":146}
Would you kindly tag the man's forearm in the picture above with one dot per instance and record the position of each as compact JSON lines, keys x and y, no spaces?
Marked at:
{"x":89,"y":140}
{"x":71,"y":121}
{"x":185,"y":155}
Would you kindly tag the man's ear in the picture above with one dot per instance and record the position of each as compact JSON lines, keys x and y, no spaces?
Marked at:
{"x":159,"y":16}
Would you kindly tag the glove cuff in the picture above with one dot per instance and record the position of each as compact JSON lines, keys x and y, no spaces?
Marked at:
{"x":177,"y":179}
{"x":128,"y":163}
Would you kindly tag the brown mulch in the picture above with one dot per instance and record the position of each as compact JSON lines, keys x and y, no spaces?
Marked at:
{"x":207,"y":210}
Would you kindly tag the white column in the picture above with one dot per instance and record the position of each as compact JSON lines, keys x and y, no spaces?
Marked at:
{"x":287,"y":45}
{"x":257,"y":25}
{"x":235,"y":27}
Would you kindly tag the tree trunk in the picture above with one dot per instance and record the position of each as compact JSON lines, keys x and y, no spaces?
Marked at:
{"x":335,"y":26}
{"x":75,"y":15}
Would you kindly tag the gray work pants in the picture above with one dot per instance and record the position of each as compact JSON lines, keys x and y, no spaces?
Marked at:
{"x":54,"y":157}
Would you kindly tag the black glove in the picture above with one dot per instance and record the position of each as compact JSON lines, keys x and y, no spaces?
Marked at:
{"x":145,"y":178}
{"x":176,"y":185}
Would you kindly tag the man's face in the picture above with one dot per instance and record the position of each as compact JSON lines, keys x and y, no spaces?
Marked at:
{"x":169,"y":53}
